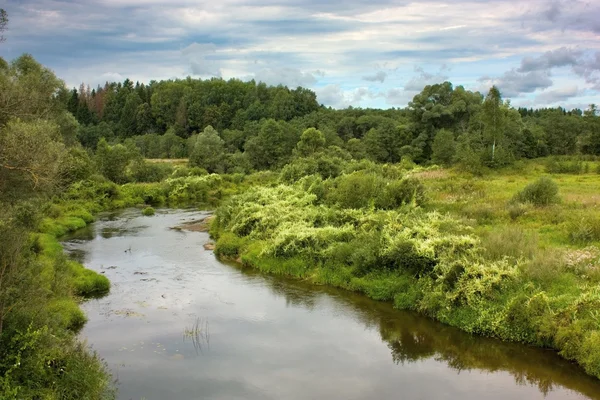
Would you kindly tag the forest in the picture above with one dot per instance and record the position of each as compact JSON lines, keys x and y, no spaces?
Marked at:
{"x":459,"y":206}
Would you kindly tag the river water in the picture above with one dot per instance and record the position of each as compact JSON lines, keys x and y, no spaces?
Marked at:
{"x":178,"y":324}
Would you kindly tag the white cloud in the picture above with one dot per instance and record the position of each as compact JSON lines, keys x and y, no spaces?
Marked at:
{"x":377,"y":77}
{"x":310,"y":43}
{"x":285,"y":76}
{"x":559,"y":95}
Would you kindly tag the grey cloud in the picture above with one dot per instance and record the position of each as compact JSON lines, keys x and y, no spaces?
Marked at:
{"x":552,"y":12}
{"x":513,"y":83}
{"x":360,"y":94}
{"x":589,"y":69}
{"x":378,"y":77}
{"x":285,"y":76}
{"x":535,"y":73}
{"x":578,"y":15}
{"x":417,"y":83}
{"x":558,"y":95}
{"x":551,"y":59}
{"x":334,"y":96}
{"x":202,"y":58}
{"x":397,"y":97}
{"x":331,"y":95}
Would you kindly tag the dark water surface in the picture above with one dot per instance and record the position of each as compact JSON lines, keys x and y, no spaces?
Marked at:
{"x":178,"y":324}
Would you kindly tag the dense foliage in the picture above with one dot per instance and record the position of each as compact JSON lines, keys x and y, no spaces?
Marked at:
{"x":441,"y":265}
{"x":340,"y":197}
{"x":259,"y":126}
{"x":40,"y":356}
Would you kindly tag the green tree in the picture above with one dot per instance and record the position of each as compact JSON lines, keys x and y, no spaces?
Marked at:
{"x":30,"y":158}
{"x":128,"y":121}
{"x":311,"y":141}
{"x":209,"y":151}
{"x":143,"y":119}
{"x":357,"y":148}
{"x":27,"y":91}
{"x":3,"y":23}
{"x":112,"y":161}
{"x":494,"y":119}
{"x":269,"y":148}
{"x":443,"y":147}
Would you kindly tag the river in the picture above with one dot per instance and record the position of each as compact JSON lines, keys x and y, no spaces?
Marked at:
{"x":178,"y":324}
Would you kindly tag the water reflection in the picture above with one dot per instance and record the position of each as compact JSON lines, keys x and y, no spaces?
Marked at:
{"x":199,"y":334}
{"x":412,"y":337}
{"x":271,"y":337}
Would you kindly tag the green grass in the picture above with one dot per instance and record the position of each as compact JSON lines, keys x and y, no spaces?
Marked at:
{"x":471,"y":256}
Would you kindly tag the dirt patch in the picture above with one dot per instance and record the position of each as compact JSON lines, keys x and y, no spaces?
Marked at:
{"x":209,"y":246}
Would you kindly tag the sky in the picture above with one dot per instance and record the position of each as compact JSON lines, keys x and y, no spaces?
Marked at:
{"x":360,"y":53}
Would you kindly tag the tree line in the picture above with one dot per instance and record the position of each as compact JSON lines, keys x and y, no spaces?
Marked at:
{"x":258,"y":126}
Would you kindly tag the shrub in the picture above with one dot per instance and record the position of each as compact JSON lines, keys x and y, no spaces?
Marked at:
{"x":228,"y":245}
{"x":516,"y":210}
{"x":585,"y":230}
{"x":400,"y":192}
{"x":148,"y":211}
{"x":144,"y":171}
{"x":542,"y":192}
{"x":557,"y":166}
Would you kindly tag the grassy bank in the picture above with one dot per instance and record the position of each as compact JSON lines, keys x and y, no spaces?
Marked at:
{"x":484,"y":254}
{"x":40,"y":355}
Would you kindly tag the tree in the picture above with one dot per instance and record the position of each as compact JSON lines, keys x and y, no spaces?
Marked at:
{"x":269,"y":148}
{"x":493,"y":118}
{"x":443,"y":147}
{"x":112,"y":161}
{"x":143,"y":119}
{"x":209,"y":151}
{"x":311,"y":141}
{"x":3,"y":23}
{"x":28,"y":91}
{"x":383,"y":143}
{"x":357,"y":148}
{"x":30,"y":157}
{"x":128,"y":121}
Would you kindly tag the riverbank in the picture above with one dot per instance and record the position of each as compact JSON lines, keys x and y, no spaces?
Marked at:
{"x":467,"y":253}
{"x":44,"y":357}
{"x":178,"y":321}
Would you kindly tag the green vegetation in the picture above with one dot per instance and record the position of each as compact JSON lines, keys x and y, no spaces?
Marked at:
{"x":458,"y":254}
{"x":496,"y":243}
{"x":148,"y":211}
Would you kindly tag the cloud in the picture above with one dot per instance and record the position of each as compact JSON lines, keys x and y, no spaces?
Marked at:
{"x":535,"y":72}
{"x":553,"y":12}
{"x":317,"y":44}
{"x":561,"y":57}
{"x":589,"y":69}
{"x":556,"y":96}
{"x":417,"y":83}
{"x":377,"y":77}
{"x":202,"y":58}
{"x":334,"y":96}
{"x":513,"y":83}
{"x":573,"y":15}
{"x":291,"y":77}
{"x":398,"y":97}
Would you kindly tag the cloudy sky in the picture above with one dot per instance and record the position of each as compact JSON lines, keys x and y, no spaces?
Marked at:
{"x":360,"y":53}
